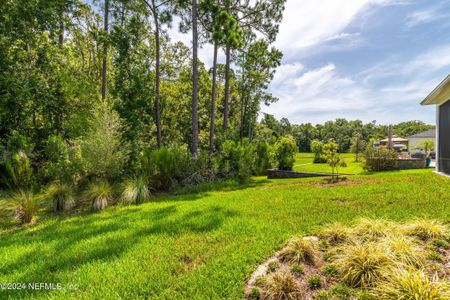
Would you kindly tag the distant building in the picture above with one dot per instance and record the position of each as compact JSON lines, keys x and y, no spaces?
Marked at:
{"x":397,"y":142}
{"x":440,"y":97}
{"x":417,"y":139}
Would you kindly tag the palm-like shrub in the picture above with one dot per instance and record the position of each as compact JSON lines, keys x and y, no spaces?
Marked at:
{"x":412,"y":284}
{"x":18,"y":170}
{"x":281,"y":285}
{"x":99,"y":194}
{"x":300,"y":250}
{"x":362,"y":265}
{"x":61,"y":196}
{"x":23,"y":206}
{"x":135,"y":191}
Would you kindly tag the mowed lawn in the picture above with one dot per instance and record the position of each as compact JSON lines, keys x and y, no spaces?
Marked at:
{"x":203,"y":243}
{"x":304,"y":162}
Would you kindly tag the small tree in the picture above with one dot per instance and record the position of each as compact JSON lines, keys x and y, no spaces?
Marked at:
{"x":317,"y":149}
{"x":333,"y":158}
{"x":357,"y":145}
{"x":285,"y":150}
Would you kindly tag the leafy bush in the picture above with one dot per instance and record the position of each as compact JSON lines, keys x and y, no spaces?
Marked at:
{"x":61,"y":196}
{"x":317,"y":149}
{"x":264,"y":157}
{"x":237,"y":159}
{"x":285,"y":150}
{"x":300,"y":250}
{"x":135,"y":191}
{"x":165,"y":167}
{"x":64,"y":162}
{"x":99,"y":194}
{"x":380,"y":159}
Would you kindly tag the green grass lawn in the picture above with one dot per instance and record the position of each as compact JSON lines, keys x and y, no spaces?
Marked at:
{"x":304,"y":162}
{"x":201,"y":243}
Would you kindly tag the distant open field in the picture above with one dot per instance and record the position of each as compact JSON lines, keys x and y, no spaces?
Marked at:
{"x":304,"y":162}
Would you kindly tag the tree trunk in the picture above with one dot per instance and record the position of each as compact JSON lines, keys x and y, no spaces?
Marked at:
{"x":157,"y":77}
{"x":227,"y":87}
{"x":105,"y":50}
{"x":194,"y":81}
{"x":213,"y":105}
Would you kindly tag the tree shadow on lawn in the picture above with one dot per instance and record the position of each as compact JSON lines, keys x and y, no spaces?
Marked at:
{"x":192,"y":193}
{"x":74,"y":243}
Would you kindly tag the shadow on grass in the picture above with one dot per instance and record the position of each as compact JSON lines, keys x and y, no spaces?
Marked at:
{"x":66,"y":245}
{"x":192,"y":193}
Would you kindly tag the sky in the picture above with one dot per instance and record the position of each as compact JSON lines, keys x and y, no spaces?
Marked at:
{"x":360,"y":59}
{"x":357,"y":59}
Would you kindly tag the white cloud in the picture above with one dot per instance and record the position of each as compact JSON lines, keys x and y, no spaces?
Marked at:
{"x":308,"y":23}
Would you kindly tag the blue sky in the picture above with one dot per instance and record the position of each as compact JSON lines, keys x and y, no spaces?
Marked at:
{"x":360,"y":59}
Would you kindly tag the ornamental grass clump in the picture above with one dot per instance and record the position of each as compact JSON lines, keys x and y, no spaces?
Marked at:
{"x":135,"y":191}
{"x":99,"y":194}
{"x":412,"y":284}
{"x":22,"y":206}
{"x":372,"y":229}
{"x":281,"y":285}
{"x":404,"y":250}
{"x":61,"y":196}
{"x":363,"y":265}
{"x":335,"y":234}
{"x":427,"y":229}
{"x":300,"y":250}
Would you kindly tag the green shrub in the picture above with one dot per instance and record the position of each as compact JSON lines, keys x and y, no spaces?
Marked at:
{"x":380,"y":159}
{"x":102,"y":153}
{"x":439,"y":243}
{"x":341,"y":291}
{"x":314,"y":282}
{"x":99,"y":194}
{"x":330,"y":270}
{"x":165,"y":167}
{"x":61,"y":196}
{"x":135,"y":191}
{"x":285,"y":150}
{"x":237,"y":159}
{"x":317,"y":149}
{"x":264,"y":157}
{"x":254,"y":294}
{"x":64,"y":162}
{"x":297,"y":270}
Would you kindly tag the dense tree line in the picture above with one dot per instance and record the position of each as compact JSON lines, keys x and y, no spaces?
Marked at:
{"x":346,"y":133}
{"x":65,"y":61}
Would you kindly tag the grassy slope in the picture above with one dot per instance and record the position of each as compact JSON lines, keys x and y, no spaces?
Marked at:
{"x":304,"y":162}
{"x":205,"y":244}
